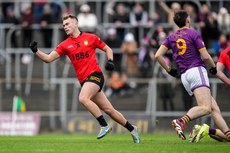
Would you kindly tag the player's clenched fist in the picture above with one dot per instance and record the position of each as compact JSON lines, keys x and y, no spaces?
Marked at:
{"x":109,"y":65}
{"x":213,"y":70}
{"x":173,"y":72}
{"x":33,"y":46}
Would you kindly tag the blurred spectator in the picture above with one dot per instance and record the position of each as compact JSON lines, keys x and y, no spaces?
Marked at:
{"x":46,"y":20}
{"x":220,"y":44}
{"x":223,"y":19}
{"x":11,"y":19}
{"x":138,"y":17}
{"x":201,"y":20}
{"x":129,"y":48}
{"x":154,"y":19}
{"x":117,"y":85}
{"x":170,"y":10}
{"x":114,"y":42}
{"x":145,"y":59}
{"x":187,"y":99}
{"x":158,"y":37}
{"x":38,"y":9}
{"x":120,"y":16}
{"x":87,"y":21}
{"x":191,"y":11}
{"x":212,"y":25}
{"x":167,"y":89}
{"x":58,"y":7}
{"x":26,"y":20}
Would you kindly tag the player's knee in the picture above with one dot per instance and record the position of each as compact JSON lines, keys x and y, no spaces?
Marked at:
{"x":83,"y":99}
{"x":108,"y":110}
{"x":207,"y":110}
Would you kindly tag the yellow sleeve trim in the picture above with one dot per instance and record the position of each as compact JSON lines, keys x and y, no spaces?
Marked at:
{"x":164,"y":47}
{"x":202,"y":49}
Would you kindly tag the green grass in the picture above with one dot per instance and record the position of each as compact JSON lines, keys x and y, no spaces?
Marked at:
{"x":112,"y":143}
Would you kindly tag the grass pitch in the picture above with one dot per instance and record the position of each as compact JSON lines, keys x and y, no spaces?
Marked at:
{"x":112,"y":143}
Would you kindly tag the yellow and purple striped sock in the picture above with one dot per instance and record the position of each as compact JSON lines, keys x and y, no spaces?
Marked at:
{"x":184,"y":119}
{"x":227,"y":134}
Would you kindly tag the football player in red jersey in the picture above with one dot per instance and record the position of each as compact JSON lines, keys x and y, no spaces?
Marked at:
{"x":222,"y":63}
{"x":80,"y":47}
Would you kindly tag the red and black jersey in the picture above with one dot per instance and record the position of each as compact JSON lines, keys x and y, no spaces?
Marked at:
{"x":225,"y":57}
{"x":82,"y":53}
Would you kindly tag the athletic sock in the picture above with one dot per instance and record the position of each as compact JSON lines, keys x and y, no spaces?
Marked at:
{"x":212,"y":131}
{"x":213,"y":134}
{"x":227,"y":134}
{"x":128,"y":126}
{"x":102,"y":121}
{"x":184,"y":119}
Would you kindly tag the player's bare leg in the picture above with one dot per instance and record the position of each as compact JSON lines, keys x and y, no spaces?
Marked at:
{"x":104,"y":104}
{"x":223,"y":130}
{"x":88,"y":91}
{"x":203,"y":99}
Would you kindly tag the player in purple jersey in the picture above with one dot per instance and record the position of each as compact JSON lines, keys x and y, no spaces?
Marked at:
{"x":190,"y":55}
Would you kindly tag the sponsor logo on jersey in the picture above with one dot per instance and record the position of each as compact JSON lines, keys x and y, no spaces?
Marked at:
{"x":86,"y":42}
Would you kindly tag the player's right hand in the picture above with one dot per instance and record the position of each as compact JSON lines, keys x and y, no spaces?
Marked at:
{"x":33,"y":46}
{"x":174,"y":72}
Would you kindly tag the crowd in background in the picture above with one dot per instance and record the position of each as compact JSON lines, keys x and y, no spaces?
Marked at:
{"x":139,"y":52}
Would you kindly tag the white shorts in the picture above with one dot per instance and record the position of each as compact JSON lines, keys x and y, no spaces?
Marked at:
{"x":194,"y":78}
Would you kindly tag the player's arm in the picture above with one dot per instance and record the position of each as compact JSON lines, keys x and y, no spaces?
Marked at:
{"x":109,"y":53}
{"x":220,"y":68}
{"x":43,"y":56}
{"x":159,"y":57}
{"x":47,"y":57}
{"x":207,"y":58}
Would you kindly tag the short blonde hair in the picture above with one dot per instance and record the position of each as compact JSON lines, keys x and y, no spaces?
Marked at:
{"x":65,"y":17}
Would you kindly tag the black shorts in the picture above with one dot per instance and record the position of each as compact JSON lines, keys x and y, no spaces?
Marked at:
{"x":97,"y":78}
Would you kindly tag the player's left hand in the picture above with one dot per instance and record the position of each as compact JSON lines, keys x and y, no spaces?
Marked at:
{"x":213,"y":70}
{"x":109,"y":65}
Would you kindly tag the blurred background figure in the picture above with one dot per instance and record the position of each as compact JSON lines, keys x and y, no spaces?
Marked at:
{"x":87,"y":20}
{"x":120,"y":16}
{"x":138,"y":17}
{"x":129,"y":48}
{"x":115,"y":42}
{"x":117,"y":85}
{"x":38,"y":9}
{"x":167,"y":89}
{"x":11,"y":19}
{"x":202,"y":19}
{"x":26,"y":21}
{"x":169,"y":10}
{"x":145,"y":59}
{"x":154,"y":19}
{"x":211,"y":25}
{"x":221,"y":44}
{"x":158,"y":37}
{"x":223,"y":19}
{"x":46,"y":20}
